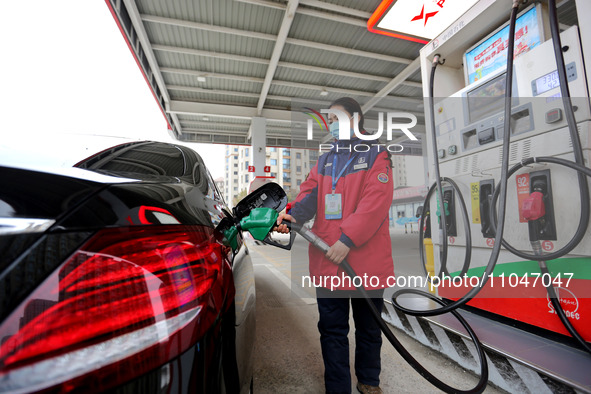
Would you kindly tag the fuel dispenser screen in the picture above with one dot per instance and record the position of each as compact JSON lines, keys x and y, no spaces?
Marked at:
{"x":491,"y":54}
{"x":487,"y":99}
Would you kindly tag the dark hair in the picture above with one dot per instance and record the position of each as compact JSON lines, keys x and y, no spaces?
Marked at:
{"x":351,"y":106}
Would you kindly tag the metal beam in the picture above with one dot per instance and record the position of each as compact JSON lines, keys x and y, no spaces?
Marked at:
{"x":212,"y":91}
{"x":230,"y":111}
{"x":286,"y":98}
{"x":413,"y":84}
{"x":355,"y":21}
{"x":337,"y":8}
{"x":333,"y":17}
{"x":340,"y":73}
{"x":209,"y":54}
{"x":348,"y":51}
{"x":271,"y":37}
{"x":211,"y":75}
{"x":204,"y":26}
{"x":279,"y":44}
{"x":193,"y":130}
{"x":136,"y":21}
{"x":264,"y":3}
{"x":297,"y":66}
{"x":296,"y":85}
{"x":407,"y":72}
{"x":200,"y":125}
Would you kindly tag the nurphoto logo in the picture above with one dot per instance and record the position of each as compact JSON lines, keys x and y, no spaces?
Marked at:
{"x":392,"y":123}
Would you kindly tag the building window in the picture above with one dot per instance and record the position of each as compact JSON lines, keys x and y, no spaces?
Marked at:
{"x":246,"y":165}
{"x":273,"y":162}
{"x":286,"y":152}
{"x":246,"y":152}
{"x":298,"y":182}
{"x":235,"y":189}
{"x":286,"y":161}
{"x":246,"y":178}
{"x":235,"y":172}
{"x":273,"y":174}
{"x":272,"y":149}
{"x":235,"y":165}
{"x":236,"y":149}
{"x":286,"y":178}
{"x":298,"y":155}
{"x":299,"y":168}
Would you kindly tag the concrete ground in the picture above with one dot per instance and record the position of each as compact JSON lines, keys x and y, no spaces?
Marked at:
{"x":288,"y":357}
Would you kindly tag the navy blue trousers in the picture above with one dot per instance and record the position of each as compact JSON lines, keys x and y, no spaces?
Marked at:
{"x":333,"y":308}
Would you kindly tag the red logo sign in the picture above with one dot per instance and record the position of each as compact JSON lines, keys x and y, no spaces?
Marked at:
{"x":267,"y":168}
{"x":452,"y":240}
{"x":422,"y":15}
{"x":250,"y":168}
{"x":490,"y":242}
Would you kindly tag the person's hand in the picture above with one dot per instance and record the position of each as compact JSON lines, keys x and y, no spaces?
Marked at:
{"x":282,"y":228}
{"x":337,"y":252}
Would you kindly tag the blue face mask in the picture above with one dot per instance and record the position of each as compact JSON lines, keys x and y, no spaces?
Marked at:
{"x":334,"y":130}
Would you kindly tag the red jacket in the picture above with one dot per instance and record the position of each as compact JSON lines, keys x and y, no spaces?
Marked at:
{"x":367,"y":191}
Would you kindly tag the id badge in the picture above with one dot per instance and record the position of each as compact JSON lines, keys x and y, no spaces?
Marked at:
{"x":332,"y":206}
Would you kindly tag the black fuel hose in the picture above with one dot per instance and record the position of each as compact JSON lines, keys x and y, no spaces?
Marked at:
{"x":443,"y":252}
{"x":468,"y":249}
{"x":308,"y":235}
{"x":582,"y":173}
{"x":537,"y":247}
{"x":541,"y":258}
{"x":502,"y":190}
{"x":577,"y":150}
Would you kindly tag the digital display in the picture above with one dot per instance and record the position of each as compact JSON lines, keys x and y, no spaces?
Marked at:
{"x":547,"y":82}
{"x":491,"y":54}
{"x":487,"y":99}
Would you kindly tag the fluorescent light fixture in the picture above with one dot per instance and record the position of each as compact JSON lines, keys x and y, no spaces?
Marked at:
{"x":418,"y":21}
{"x":201,"y":79}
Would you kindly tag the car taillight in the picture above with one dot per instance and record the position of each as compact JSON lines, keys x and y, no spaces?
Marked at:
{"x":128,"y":301}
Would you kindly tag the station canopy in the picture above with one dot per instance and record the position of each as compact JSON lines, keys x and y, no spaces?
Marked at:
{"x":213,"y":65}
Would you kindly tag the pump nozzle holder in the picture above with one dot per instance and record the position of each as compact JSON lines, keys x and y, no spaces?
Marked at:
{"x":533,"y":207}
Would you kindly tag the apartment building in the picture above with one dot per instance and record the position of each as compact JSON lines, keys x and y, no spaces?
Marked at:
{"x":289,"y":168}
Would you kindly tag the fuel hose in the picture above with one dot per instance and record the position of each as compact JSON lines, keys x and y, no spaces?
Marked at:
{"x":577,"y":150}
{"x":502,"y":190}
{"x":582,"y":173}
{"x":317,"y":242}
{"x":542,"y":258}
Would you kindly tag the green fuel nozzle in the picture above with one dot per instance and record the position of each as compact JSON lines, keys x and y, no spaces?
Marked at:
{"x":259,"y":222}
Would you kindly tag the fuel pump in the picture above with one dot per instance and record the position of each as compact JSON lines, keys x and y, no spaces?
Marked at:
{"x":496,"y":147}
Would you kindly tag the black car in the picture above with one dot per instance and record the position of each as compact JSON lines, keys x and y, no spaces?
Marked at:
{"x":113,"y":278}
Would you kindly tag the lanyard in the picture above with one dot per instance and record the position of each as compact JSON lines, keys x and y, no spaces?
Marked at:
{"x":334,"y":170}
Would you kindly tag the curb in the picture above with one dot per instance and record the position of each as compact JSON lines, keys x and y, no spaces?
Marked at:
{"x":504,"y":373}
